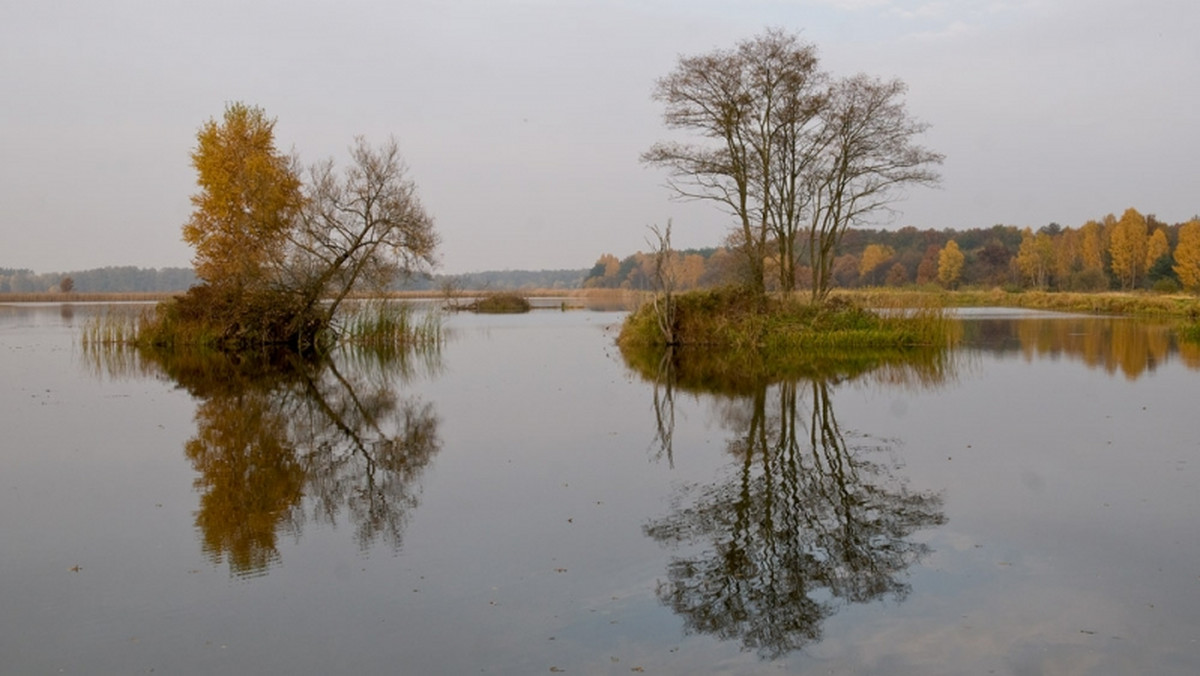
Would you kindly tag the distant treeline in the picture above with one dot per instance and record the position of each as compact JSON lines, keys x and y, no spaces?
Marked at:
{"x":130,"y":279}
{"x":498,"y":280}
{"x":125,"y":279}
{"x":1129,"y":252}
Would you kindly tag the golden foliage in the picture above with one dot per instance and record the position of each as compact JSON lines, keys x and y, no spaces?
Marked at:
{"x":1187,"y":255}
{"x":249,"y":196}
{"x":950,"y":263}
{"x":1127,"y":247}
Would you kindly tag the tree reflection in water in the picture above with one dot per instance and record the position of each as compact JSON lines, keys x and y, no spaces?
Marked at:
{"x":810,"y":519}
{"x":280,"y":441}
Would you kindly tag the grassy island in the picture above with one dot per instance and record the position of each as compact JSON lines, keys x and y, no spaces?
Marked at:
{"x":734,"y":319}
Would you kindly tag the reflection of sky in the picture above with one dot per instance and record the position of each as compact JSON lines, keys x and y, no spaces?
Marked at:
{"x":1071,"y":538}
{"x":1069,"y":547}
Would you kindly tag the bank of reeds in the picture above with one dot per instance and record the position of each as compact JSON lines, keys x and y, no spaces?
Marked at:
{"x":736,"y":320}
{"x":1107,"y":303}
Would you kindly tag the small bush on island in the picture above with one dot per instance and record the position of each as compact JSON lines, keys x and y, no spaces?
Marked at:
{"x":739,"y":319}
{"x":500,"y":303}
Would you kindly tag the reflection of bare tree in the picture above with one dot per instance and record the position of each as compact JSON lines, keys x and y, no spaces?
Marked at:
{"x":808,"y":522}
{"x":278,"y":443}
{"x":664,"y":406}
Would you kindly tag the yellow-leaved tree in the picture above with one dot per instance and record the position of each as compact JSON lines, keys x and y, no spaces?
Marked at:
{"x":1127,"y":247}
{"x":873,"y":258}
{"x":249,"y":198}
{"x":278,"y":256}
{"x":1187,"y":255}
{"x":950,"y":264}
{"x":1156,"y":247}
{"x":1035,"y":258}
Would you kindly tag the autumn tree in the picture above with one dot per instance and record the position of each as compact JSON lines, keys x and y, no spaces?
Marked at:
{"x":927,"y":269}
{"x":1187,"y":255}
{"x":897,"y":275}
{"x":873,"y":257}
{"x":950,"y":264}
{"x":1157,"y":247}
{"x":248,"y":202}
{"x":1127,"y":247}
{"x":276,"y":256}
{"x":1035,"y":257}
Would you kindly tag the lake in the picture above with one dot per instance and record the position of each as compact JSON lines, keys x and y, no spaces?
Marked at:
{"x":521,"y":501}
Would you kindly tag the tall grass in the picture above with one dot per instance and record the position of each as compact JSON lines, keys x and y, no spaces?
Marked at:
{"x":381,"y":324}
{"x":112,"y":328}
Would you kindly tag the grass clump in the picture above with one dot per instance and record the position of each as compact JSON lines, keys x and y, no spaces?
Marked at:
{"x":500,"y":303}
{"x":736,"y":319}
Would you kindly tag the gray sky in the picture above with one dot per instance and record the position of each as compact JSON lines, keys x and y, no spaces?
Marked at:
{"x":522,"y":120}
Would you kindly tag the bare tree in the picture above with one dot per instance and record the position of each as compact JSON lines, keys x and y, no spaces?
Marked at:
{"x":747,"y":102}
{"x":786,"y":150}
{"x":868,"y":157}
{"x":359,"y":230}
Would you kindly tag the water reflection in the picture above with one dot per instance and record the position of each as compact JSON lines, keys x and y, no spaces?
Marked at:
{"x":812,"y":517}
{"x":281,"y":441}
{"x":1131,"y":347}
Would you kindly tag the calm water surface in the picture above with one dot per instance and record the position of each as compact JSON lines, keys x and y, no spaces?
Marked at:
{"x":524,"y":503}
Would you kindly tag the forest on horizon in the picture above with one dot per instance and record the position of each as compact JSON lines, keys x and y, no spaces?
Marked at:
{"x":1146,"y":255}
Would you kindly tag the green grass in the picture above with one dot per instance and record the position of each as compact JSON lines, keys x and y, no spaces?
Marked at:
{"x":732,"y":319}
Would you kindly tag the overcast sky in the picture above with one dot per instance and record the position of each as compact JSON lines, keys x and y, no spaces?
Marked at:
{"x":522,"y":120}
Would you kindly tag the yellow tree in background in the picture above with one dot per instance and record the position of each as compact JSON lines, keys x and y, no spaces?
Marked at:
{"x":1091,"y":246}
{"x":950,"y":264}
{"x":1127,"y":246}
{"x":1156,"y":247}
{"x":873,"y":256}
{"x":1035,"y":257}
{"x":1067,"y":254}
{"x":1187,"y":255}
{"x":249,"y":197}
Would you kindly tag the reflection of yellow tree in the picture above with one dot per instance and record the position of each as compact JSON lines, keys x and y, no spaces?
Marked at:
{"x":807,"y":522}
{"x":1113,"y":344}
{"x":250,"y":476}
{"x":278,"y":443}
